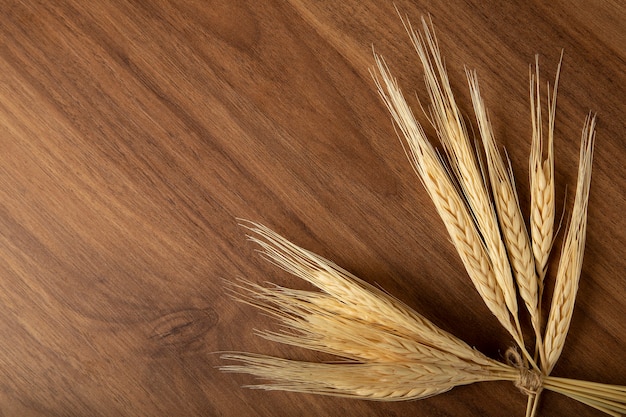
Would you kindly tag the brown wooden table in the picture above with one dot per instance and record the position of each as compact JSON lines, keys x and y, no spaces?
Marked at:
{"x":134,"y":133}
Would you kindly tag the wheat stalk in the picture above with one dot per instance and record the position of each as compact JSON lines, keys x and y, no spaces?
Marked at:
{"x":386,"y":350}
{"x":391,"y":381}
{"x":542,"y":209}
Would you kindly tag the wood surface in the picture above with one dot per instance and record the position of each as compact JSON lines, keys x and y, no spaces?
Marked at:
{"x":133,"y":134}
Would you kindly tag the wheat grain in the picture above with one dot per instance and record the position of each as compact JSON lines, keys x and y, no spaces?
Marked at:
{"x":570,"y":264}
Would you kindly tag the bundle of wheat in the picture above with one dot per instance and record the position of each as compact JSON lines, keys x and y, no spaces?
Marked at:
{"x":393,"y":353}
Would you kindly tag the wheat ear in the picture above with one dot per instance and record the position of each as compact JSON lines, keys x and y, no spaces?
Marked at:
{"x":449,"y":204}
{"x":392,"y":352}
{"x":393,"y":381}
{"x":354,"y":297}
{"x":542,"y":200}
{"x":570,"y":264}
{"x":508,"y":209}
{"x":542,"y":208}
{"x":462,"y":157}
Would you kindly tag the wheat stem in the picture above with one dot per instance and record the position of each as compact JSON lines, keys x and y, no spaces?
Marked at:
{"x":535,"y":403}
{"x":607,"y":406}
{"x":585,"y":385}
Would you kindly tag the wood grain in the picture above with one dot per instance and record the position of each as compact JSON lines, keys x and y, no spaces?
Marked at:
{"x":134,"y":133}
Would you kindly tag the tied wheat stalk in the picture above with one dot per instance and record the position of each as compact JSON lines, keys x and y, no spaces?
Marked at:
{"x":386,"y":350}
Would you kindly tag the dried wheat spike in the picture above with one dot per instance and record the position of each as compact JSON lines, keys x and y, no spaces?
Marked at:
{"x":508,"y":209}
{"x":392,"y":381}
{"x":447,"y":200}
{"x":542,"y":202}
{"x":462,"y":158}
{"x":570,"y":264}
{"x":348,"y":297}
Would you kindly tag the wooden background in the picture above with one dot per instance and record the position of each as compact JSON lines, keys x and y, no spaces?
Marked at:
{"x":134,"y":133}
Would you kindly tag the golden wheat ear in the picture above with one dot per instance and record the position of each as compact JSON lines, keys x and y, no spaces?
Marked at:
{"x":468,"y":214}
{"x":570,"y":264}
{"x":462,"y":158}
{"x":392,"y":381}
{"x":345,"y":308}
{"x":541,"y":168}
{"x":508,"y":209}
{"x":387,"y":351}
